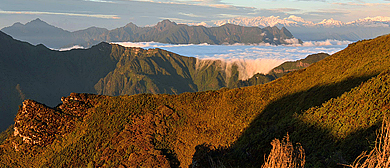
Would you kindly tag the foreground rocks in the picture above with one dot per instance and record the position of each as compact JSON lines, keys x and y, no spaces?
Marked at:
{"x":38,"y":124}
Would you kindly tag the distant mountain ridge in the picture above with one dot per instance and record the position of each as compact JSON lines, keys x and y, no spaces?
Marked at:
{"x":38,"y":31}
{"x":291,"y":21}
{"x":365,"y":28}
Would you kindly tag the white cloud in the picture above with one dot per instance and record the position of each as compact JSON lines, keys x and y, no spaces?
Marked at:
{"x":292,"y":41}
{"x":209,"y":3}
{"x":197,"y":24}
{"x":251,"y":59}
{"x":248,"y":68}
{"x":360,"y":4}
{"x":320,"y":43}
{"x":177,"y":20}
{"x":100,"y":1}
{"x":70,"y":48}
{"x":189,"y":14}
{"x":59,"y":13}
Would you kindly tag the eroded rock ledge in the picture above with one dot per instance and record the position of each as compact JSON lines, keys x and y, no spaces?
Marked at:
{"x":38,"y":124}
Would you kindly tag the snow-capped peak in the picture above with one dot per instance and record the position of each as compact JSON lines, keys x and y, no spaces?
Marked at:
{"x":330,"y":22}
{"x":378,"y":21}
{"x":298,"y":19}
{"x":257,"y":21}
{"x":295,"y":21}
{"x":371,"y":19}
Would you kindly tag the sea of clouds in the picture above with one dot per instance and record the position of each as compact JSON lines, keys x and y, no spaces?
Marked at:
{"x":247,"y":52}
{"x":251,"y":59}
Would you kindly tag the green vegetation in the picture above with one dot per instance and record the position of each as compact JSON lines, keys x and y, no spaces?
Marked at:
{"x":380,"y":155}
{"x":39,"y":32}
{"x":4,"y":135}
{"x":297,"y":93}
{"x":285,"y":155}
{"x":41,"y":74}
{"x":290,"y":66}
{"x":36,"y":72}
{"x":279,"y":71}
{"x":333,"y":108}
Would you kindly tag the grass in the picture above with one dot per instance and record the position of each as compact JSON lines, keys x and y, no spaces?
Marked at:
{"x":285,"y":155}
{"x":379,"y":156}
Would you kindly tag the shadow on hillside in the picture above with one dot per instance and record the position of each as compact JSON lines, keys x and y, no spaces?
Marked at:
{"x":321,"y":148}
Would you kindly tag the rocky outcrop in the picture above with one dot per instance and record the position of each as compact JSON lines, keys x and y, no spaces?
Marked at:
{"x":38,"y":124}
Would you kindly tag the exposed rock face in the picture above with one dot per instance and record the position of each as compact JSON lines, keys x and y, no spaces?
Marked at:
{"x":75,"y":104}
{"x":39,"y":125}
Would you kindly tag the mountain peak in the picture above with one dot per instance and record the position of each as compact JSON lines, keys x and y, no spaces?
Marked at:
{"x":163,"y":25}
{"x":377,"y":18}
{"x":131,"y":24}
{"x":17,"y":24}
{"x":166,"y":23}
{"x":39,"y":22}
{"x":296,"y":21}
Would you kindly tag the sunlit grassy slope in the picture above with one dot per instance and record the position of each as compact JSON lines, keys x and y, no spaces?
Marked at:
{"x":331,"y":108}
{"x":42,"y":74}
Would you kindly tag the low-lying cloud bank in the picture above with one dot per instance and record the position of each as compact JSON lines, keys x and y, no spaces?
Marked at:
{"x":250,"y":59}
{"x":329,"y":42}
{"x":69,"y":48}
{"x":246,"y":68}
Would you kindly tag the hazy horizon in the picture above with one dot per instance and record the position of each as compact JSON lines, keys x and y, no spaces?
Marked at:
{"x":80,"y":14}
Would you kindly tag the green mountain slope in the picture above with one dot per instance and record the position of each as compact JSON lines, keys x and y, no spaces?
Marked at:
{"x":306,"y":89}
{"x":228,"y":127}
{"x":159,"y":71}
{"x":39,"y":32}
{"x":36,"y":72}
{"x":279,"y":71}
{"x":148,"y":71}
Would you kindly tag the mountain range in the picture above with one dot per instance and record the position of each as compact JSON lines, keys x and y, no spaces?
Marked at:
{"x":42,"y":74}
{"x":333,"y":108}
{"x":292,"y":20}
{"x":40,"y":32}
{"x":365,"y":28}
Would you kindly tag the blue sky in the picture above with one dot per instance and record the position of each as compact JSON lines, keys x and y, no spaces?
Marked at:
{"x":80,"y":14}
